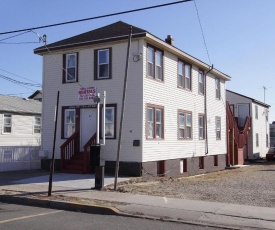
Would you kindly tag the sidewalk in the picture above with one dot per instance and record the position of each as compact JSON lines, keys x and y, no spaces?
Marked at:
{"x":73,"y":192}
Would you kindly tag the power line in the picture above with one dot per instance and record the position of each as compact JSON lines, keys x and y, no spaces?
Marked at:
{"x":23,"y":84}
{"x":15,"y":35}
{"x":96,"y":17}
{"x":19,"y":76}
{"x":17,"y":43}
{"x":202,"y":33}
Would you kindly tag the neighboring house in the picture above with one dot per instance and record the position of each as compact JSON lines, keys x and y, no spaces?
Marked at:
{"x":258,"y":132}
{"x":167,"y":129}
{"x":37,"y":95}
{"x":272,"y":134}
{"x":20,"y":121}
{"x":20,"y":133}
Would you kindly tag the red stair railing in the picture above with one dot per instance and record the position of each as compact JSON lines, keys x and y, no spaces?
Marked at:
{"x":69,"y":148}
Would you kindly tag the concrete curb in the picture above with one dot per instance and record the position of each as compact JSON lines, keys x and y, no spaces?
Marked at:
{"x":97,"y":209}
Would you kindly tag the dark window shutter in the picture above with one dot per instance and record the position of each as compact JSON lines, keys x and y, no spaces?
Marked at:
{"x":95,"y":65}
{"x":77,"y":65}
{"x":110,"y":63}
{"x":64,"y":69}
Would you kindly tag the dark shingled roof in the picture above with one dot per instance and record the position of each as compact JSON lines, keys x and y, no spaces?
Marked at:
{"x":116,"y":31}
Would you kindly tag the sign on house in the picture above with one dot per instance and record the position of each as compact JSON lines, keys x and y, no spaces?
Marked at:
{"x":86,"y":93}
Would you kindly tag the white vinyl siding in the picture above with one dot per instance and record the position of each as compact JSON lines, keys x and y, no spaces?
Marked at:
{"x":173,"y":98}
{"x":22,"y":131}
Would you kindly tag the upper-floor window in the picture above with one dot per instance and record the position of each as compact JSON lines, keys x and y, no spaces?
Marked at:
{"x":7,"y":123}
{"x":201,"y":127}
{"x":37,"y":124}
{"x":184,"y":125}
{"x":218,"y":128}
{"x":184,"y":75}
{"x":103,"y":64}
{"x":69,"y":122}
{"x":218,"y":88}
{"x":201,"y":82}
{"x":256,"y":112}
{"x":155,"y":121}
{"x":154,"y":63}
{"x":70,"y":67}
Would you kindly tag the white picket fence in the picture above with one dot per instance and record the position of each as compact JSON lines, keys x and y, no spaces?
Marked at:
{"x":14,"y":158}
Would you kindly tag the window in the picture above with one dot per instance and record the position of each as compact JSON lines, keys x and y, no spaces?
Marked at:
{"x":218,"y":128}
{"x":201,"y":162}
{"x":154,"y":63}
{"x":184,"y":75}
{"x":155,"y":121}
{"x":266,"y":140}
{"x":256,"y":112}
{"x":37,"y":124}
{"x":7,"y":123}
{"x":201,"y":82}
{"x":201,"y":127}
{"x":110,"y":122}
{"x":257,"y":140}
{"x":216,"y":162}
{"x":69,"y":122}
{"x":183,"y":166}
{"x":70,"y":67}
{"x":218,"y":88}
{"x":184,"y":125}
{"x":103,"y":64}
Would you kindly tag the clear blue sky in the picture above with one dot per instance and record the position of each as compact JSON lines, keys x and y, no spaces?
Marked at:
{"x":240,"y":36}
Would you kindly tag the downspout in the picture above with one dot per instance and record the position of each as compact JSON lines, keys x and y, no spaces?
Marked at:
{"x":205,"y":111}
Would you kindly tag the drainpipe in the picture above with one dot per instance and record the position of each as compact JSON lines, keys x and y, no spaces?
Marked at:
{"x":205,"y":111}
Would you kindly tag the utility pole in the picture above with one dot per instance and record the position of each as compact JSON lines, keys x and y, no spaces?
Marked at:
{"x":122,"y":107}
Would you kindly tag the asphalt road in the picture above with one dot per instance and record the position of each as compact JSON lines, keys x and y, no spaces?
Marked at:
{"x":26,"y":217}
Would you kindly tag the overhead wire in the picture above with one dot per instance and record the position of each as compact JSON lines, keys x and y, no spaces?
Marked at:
{"x":210,"y":63}
{"x":18,"y":76}
{"x":96,"y":17}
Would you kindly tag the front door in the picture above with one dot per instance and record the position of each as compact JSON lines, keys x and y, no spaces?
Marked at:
{"x":87,"y":125}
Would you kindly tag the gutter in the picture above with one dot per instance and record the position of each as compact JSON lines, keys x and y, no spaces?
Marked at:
{"x":205,"y":111}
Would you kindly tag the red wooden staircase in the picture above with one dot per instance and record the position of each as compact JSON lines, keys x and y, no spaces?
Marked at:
{"x":237,"y":138}
{"x":72,"y":160}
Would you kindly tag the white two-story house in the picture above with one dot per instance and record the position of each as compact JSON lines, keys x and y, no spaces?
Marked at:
{"x":174,"y":119}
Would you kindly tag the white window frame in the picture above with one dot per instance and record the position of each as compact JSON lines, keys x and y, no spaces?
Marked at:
{"x":104,"y":63}
{"x":218,"y":128}
{"x":154,"y":122}
{"x":113,"y":122}
{"x":202,"y":127}
{"x":184,"y":79}
{"x":5,"y":125}
{"x":65,"y":122}
{"x":70,"y":67}
{"x":186,"y":126}
{"x":37,"y":126}
{"x":201,"y":82}
{"x":155,"y":65}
